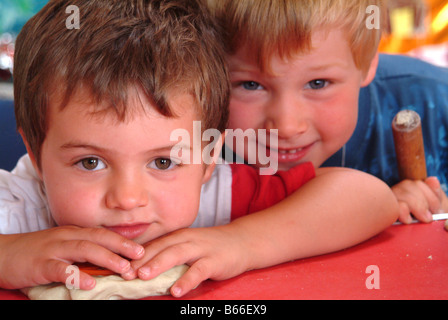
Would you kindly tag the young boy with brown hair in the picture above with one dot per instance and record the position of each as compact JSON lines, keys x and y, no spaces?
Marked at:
{"x":97,"y":106}
{"x":298,"y":67}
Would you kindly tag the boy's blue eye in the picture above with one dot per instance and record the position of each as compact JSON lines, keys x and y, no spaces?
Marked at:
{"x":251,"y":85}
{"x":91,"y":164}
{"x":317,"y":84}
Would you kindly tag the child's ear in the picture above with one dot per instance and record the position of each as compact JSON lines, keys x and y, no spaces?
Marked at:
{"x":371,"y":71}
{"x":30,"y":153}
{"x":209,"y":168}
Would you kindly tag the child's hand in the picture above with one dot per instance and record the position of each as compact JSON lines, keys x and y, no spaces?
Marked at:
{"x":421,"y":198}
{"x":42,"y":257}
{"x":212,"y":253}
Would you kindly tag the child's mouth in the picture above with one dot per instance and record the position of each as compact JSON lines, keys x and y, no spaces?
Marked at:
{"x":129,"y":231}
{"x":290,"y":151}
{"x":291,"y":155}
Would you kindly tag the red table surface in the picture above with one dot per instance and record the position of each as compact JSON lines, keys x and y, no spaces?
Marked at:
{"x":411,"y":262}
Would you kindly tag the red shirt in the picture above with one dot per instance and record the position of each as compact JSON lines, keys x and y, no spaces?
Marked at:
{"x":253,"y":192}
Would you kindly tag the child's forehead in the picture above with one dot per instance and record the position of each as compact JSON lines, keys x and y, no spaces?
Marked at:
{"x":268,"y":58}
{"x":135,"y":103}
{"x":82,"y":123}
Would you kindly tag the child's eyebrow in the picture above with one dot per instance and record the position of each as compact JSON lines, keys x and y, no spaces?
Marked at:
{"x":321,"y":67}
{"x":241,"y":66}
{"x":81,"y":145}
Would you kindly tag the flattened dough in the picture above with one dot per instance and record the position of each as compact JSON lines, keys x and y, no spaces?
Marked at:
{"x":110,"y":288}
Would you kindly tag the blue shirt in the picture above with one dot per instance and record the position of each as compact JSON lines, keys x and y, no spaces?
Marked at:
{"x":400,"y":83}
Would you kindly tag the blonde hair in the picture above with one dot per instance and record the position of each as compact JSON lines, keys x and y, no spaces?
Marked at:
{"x":285,"y":27}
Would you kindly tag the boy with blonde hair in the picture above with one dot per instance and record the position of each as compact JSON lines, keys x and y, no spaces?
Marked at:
{"x":96,"y":107}
{"x":303,"y":67}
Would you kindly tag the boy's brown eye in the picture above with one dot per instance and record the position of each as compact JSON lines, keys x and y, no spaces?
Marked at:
{"x":90,"y":163}
{"x":163,"y":164}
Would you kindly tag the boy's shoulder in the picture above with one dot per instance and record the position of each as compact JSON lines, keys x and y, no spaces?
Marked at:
{"x":393,"y":66}
{"x":23,"y":204}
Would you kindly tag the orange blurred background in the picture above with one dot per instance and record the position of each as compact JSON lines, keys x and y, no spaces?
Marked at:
{"x":415,"y":23}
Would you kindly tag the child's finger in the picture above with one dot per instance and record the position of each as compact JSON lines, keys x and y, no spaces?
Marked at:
{"x":174,"y":255}
{"x":161,"y":252}
{"x":434,"y":184}
{"x":60,"y":271}
{"x":419,"y":197}
{"x":114,"y":242}
{"x":87,"y":251}
{"x":404,"y":213}
{"x":417,"y":206}
{"x":432,"y":197}
{"x":444,"y":204}
{"x":197,"y":273}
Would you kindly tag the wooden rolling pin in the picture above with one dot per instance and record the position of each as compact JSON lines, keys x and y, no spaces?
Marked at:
{"x":409,"y":147}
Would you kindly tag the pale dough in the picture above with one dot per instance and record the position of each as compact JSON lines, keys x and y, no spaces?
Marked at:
{"x":110,"y":288}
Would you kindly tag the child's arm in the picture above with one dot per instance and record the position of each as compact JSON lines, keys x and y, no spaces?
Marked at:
{"x":337,"y":209}
{"x":421,"y":198}
{"x":42,"y":257}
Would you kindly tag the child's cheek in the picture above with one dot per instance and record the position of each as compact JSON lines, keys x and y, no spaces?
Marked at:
{"x":80,"y":209}
{"x":341,"y":120}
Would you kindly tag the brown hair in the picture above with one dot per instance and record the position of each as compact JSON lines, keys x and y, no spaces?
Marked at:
{"x":285,"y":27}
{"x":155,"y":45}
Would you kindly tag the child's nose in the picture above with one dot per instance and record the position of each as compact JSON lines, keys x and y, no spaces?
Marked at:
{"x":288,"y":117}
{"x":127,"y":193}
